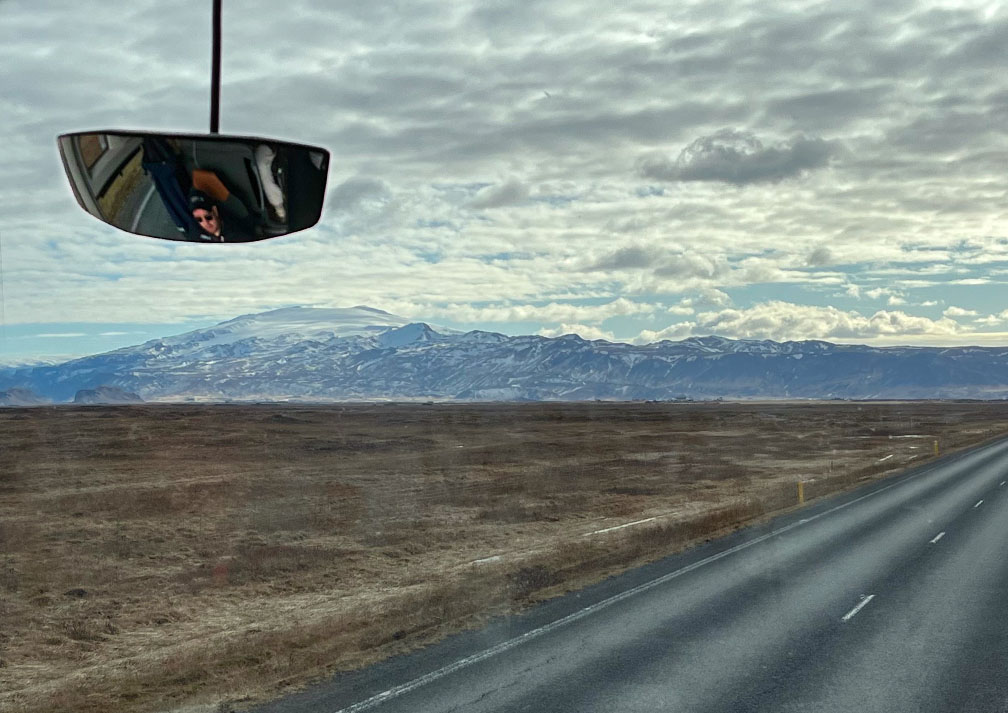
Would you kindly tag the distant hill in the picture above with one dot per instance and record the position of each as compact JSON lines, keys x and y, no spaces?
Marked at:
{"x":362,"y":353}
{"x":21,"y":397}
{"x":106,"y":395}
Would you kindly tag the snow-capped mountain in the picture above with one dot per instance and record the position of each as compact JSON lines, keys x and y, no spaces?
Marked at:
{"x":363,"y":353}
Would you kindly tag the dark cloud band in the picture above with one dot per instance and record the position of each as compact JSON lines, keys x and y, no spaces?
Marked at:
{"x":739,"y":158}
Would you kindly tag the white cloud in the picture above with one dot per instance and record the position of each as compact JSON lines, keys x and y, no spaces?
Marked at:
{"x":953,"y":311}
{"x":852,"y":290}
{"x":512,"y":192}
{"x":782,"y":321}
{"x":553,"y":312}
{"x":708,"y":297}
{"x":673,"y":332}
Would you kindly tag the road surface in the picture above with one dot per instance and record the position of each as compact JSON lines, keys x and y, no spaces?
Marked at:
{"x":890,"y":598}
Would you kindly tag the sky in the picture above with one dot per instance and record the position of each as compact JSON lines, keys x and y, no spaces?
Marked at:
{"x":629,"y":171}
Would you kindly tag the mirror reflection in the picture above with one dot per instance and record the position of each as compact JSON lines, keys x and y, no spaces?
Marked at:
{"x":211,"y":188}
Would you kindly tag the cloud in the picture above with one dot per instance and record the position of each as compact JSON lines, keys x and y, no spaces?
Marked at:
{"x":553,"y":312}
{"x":954,"y":311}
{"x":631,"y":257}
{"x":510,"y":193}
{"x":673,"y":332}
{"x":782,"y":321}
{"x":692,"y":266}
{"x":354,"y":191}
{"x":893,"y":297}
{"x":852,"y":290}
{"x":739,"y":158}
{"x":819,"y":256}
{"x":662,"y":262}
{"x":708,"y":297}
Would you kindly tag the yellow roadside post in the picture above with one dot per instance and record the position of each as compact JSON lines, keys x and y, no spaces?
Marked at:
{"x":801,"y":492}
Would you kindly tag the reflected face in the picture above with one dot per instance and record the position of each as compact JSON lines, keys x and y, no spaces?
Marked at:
{"x":208,"y":220}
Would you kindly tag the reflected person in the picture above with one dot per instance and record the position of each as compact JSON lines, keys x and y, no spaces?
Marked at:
{"x":268,"y":175}
{"x":216,"y":223}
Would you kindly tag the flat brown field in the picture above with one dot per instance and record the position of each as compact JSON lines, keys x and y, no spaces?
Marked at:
{"x":164,"y":557}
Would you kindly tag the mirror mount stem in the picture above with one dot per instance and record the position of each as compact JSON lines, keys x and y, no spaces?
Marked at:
{"x":215,"y":70}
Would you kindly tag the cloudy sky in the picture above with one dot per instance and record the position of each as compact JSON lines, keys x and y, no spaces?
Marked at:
{"x":631,"y":171}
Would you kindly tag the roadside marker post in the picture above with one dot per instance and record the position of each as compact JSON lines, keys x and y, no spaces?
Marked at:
{"x":801,"y":492}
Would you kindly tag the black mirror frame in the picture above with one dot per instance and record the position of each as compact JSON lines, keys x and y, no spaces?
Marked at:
{"x":73,"y":170}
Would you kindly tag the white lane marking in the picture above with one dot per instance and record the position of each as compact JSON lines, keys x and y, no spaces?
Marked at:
{"x":598,"y":606}
{"x":1002,"y":482}
{"x":864,"y":602}
{"x":141,"y":209}
{"x":979,"y":503}
{"x":620,"y":527}
{"x":886,"y":458}
{"x":938,"y":537}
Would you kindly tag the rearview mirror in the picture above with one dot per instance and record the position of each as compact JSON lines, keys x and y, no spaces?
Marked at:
{"x":199,"y":188}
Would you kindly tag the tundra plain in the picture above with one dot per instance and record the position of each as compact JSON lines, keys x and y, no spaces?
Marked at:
{"x":202,"y":557}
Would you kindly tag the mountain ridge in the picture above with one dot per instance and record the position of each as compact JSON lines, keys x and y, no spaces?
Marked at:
{"x":361,"y":353}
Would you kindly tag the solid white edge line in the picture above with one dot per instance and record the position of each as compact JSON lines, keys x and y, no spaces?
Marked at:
{"x":864,"y":602}
{"x":598,"y":606}
{"x":938,"y":537}
{"x":979,"y":503}
{"x":620,"y":527}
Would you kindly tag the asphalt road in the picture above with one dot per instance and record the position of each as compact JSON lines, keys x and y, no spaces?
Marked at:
{"x":890,"y":598}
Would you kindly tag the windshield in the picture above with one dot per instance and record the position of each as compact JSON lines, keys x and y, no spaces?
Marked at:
{"x":633,"y":342}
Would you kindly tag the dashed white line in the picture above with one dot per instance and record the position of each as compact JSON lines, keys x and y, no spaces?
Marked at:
{"x":511,"y":643}
{"x":864,"y":602}
{"x":938,"y":537}
{"x":886,"y":458}
{"x":979,"y":503}
{"x":1002,"y":482}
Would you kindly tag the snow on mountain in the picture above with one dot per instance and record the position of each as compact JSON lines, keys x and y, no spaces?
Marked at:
{"x":293,"y":324}
{"x":407,"y":334}
{"x":361,"y":353}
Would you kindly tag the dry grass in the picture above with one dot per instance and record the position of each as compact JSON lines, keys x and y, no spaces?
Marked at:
{"x":166,"y":556}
